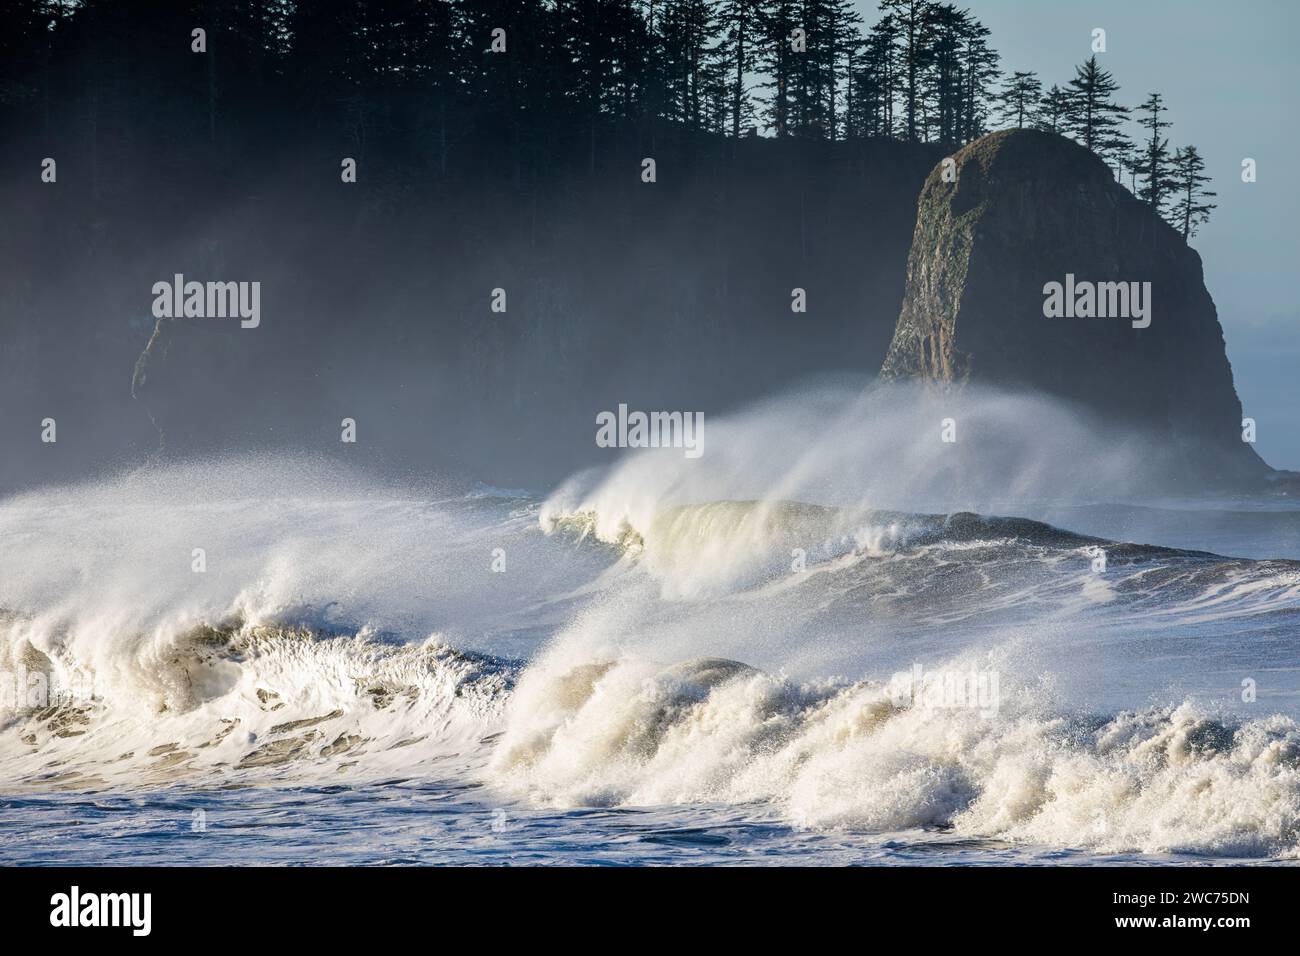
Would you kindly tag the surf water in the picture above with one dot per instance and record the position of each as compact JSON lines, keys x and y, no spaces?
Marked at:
{"x":834,"y":638}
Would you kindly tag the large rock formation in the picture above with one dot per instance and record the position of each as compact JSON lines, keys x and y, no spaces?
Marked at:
{"x":1027,"y":209}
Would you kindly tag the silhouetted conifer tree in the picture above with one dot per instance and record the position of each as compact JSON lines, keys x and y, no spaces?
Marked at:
{"x":778,"y":62}
{"x":1053,"y":110}
{"x":1156,"y":181}
{"x":910,"y":17}
{"x":1191,"y":208}
{"x":739,"y":50}
{"x":1091,"y":115}
{"x":1019,"y":99}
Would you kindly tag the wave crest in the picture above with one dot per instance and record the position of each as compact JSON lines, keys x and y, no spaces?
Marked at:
{"x":219,"y":701}
{"x":863,"y":756}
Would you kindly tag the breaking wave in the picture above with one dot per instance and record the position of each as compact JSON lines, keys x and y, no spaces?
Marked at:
{"x":229,"y":705}
{"x":799,"y":633}
{"x":872,"y":756}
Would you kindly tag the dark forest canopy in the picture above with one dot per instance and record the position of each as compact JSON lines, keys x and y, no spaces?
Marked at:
{"x":522,"y":87}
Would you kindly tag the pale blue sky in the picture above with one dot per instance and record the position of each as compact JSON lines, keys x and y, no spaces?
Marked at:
{"x":1230,"y":74}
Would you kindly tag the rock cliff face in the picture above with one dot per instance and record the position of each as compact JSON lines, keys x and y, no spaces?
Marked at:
{"x":1027,"y":209}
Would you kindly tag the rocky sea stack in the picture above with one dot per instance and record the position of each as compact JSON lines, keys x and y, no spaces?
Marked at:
{"x":1019,"y":210}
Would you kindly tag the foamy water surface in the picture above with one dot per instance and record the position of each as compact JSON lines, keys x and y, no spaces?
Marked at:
{"x":742,"y":659}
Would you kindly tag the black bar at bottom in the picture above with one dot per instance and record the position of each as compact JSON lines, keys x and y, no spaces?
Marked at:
{"x":239,"y":906}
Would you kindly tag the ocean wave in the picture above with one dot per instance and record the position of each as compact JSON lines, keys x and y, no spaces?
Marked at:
{"x":872,"y":756}
{"x":327,"y":639}
{"x":238,"y":702}
{"x":940,"y":567}
{"x":239,"y":705}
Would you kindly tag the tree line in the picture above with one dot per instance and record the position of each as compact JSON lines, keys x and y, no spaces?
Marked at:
{"x":517,"y":83}
{"x":1173,"y":183}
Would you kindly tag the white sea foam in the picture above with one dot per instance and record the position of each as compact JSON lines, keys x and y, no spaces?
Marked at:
{"x":319,"y":592}
{"x":1158,"y":780}
{"x":347,"y":629}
